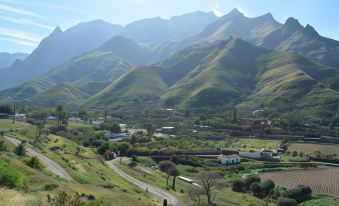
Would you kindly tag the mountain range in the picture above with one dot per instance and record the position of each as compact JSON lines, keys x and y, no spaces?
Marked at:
{"x":191,"y":61}
{"x":7,"y":59}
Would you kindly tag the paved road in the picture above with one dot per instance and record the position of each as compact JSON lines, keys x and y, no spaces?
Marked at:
{"x":53,"y":166}
{"x":160,"y":194}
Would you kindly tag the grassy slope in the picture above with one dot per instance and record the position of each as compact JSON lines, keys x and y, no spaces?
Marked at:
{"x":230,"y":73}
{"x":76,"y":80}
{"x":224,"y":196}
{"x":87,"y":168}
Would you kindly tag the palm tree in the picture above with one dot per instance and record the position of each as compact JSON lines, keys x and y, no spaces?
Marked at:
{"x":59,"y":113}
{"x":133,"y":141}
{"x":174,"y":172}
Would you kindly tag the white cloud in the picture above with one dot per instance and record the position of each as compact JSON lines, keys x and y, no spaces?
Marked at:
{"x":217,"y":11}
{"x":27,"y":22}
{"x":18,"y":41}
{"x":242,"y":10}
{"x":10,"y":9}
{"x":19,"y":35}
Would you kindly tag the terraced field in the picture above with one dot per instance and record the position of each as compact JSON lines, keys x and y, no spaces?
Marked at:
{"x":309,"y":148}
{"x":321,"y":180}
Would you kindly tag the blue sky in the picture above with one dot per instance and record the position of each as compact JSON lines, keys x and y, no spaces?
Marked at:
{"x":23,"y":23}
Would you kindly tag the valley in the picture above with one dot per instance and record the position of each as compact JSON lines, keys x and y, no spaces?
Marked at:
{"x":203,"y":108}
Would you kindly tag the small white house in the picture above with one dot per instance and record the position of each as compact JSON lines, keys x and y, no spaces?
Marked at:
{"x":21,"y":117}
{"x":51,"y":117}
{"x":229,"y":159}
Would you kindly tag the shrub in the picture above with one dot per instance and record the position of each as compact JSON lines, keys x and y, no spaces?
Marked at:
{"x":256,"y":189}
{"x":51,"y":186}
{"x":301,"y":193}
{"x":267,"y":186}
{"x":283,"y":201}
{"x":33,"y":162}
{"x":250,"y":180}
{"x":10,"y":177}
{"x":239,"y":185}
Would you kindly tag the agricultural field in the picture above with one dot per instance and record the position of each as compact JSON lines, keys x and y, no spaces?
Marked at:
{"x":310,"y":148}
{"x":321,"y":180}
{"x":196,"y":145}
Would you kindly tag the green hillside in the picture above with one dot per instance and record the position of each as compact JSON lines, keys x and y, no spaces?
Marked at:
{"x":292,"y":36}
{"x":230,"y":73}
{"x":71,"y":82}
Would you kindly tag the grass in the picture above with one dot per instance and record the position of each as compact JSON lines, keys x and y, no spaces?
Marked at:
{"x":93,"y":175}
{"x":321,"y":200}
{"x":224,"y":195}
{"x":10,"y":197}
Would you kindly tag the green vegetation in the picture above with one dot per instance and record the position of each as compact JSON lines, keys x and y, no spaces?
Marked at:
{"x":10,"y":177}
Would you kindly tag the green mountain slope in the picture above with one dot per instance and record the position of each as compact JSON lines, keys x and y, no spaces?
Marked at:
{"x":60,"y":94}
{"x":83,"y":76}
{"x":292,"y":36}
{"x":147,"y":84}
{"x":229,"y":73}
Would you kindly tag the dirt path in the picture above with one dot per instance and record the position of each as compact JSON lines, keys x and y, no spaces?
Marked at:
{"x":160,"y":194}
{"x":53,"y":166}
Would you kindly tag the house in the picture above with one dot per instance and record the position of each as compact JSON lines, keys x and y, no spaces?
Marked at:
{"x":72,"y":119}
{"x":116,"y":137}
{"x":51,"y":118}
{"x":263,"y":154}
{"x":256,"y":123}
{"x":229,"y":159}
{"x":123,"y":128}
{"x":20,"y":117}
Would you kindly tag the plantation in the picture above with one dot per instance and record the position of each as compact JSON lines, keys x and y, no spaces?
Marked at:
{"x":314,"y":149}
{"x":321,"y":180}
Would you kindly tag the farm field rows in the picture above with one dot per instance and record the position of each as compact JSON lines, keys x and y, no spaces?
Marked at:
{"x":321,"y":180}
{"x":309,"y":148}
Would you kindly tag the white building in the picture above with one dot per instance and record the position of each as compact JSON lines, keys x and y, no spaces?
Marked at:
{"x":229,"y":159}
{"x":21,"y":117}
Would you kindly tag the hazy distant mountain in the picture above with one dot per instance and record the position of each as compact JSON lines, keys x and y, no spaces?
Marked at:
{"x":58,"y":48}
{"x":229,"y":73}
{"x":128,"y":50}
{"x":292,"y":36}
{"x":267,"y":32}
{"x":157,"y":30}
{"x":7,"y":59}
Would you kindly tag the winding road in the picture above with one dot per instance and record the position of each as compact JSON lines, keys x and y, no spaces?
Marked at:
{"x":160,"y":194}
{"x":53,"y":166}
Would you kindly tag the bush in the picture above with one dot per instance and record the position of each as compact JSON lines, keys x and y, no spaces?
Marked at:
{"x":59,"y":128}
{"x":33,"y":162}
{"x":283,"y":201}
{"x":10,"y":177}
{"x":239,"y":185}
{"x":51,"y":186}
{"x":250,"y":180}
{"x":267,"y":186}
{"x":256,"y":189}
{"x":301,"y":193}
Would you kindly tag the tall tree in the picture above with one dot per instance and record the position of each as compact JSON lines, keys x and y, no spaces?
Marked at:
{"x":174,"y":172}
{"x":208,"y":181}
{"x":133,"y":141}
{"x":13,"y":114}
{"x":105,"y":115}
{"x":150,"y":129}
{"x":166,"y":166}
{"x":59,"y":112}
{"x":114,"y":128}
